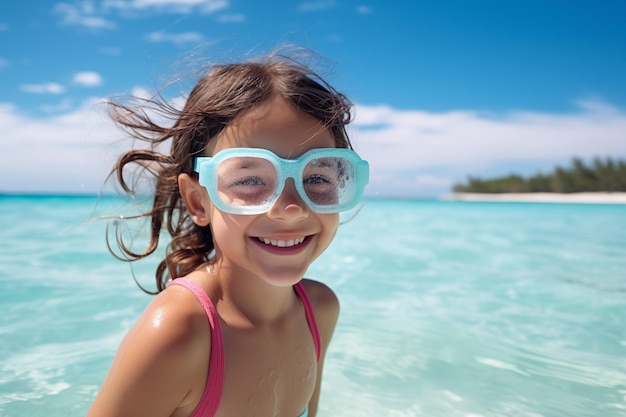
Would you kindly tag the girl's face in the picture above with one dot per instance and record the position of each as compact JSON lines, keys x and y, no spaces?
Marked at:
{"x":278,"y":245}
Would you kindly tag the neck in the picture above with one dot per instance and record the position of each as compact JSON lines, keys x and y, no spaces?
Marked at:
{"x":248,"y":300}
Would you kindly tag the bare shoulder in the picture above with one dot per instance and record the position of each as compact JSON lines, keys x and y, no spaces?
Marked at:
{"x":325,"y":305}
{"x":155,"y":370}
{"x":176,"y":317}
{"x":320,"y":294}
{"x":174,"y":329}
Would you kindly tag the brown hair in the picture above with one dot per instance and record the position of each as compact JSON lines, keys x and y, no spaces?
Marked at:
{"x":223,"y":94}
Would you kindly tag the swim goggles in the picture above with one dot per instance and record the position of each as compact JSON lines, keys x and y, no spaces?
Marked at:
{"x":250,"y":180}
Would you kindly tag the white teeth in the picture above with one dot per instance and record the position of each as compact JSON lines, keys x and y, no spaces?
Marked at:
{"x":282,"y":243}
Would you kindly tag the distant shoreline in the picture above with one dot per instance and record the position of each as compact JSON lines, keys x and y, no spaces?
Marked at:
{"x":579,"y":198}
{"x":586,"y":198}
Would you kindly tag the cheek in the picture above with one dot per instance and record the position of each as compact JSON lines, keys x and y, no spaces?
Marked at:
{"x":331,"y":224}
{"x":227,"y":228}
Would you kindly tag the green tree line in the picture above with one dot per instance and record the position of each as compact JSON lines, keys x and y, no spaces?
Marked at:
{"x":601,"y":175}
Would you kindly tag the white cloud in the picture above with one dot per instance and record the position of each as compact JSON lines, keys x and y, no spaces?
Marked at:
{"x":71,"y":152}
{"x":176,"y":38}
{"x":4,"y":27}
{"x":82,"y":14}
{"x":418,"y":152}
{"x":411,"y":152}
{"x":4,"y":62}
{"x":93,"y":14}
{"x":362,"y":9}
{"x":177,"y":6}
{"x":87,"y":79}
{"x":141,"y":93}
{"x":45,"y":88}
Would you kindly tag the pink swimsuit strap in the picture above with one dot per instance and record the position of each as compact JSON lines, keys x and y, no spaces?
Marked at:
{"x":310,"y":317}
{"x":212,"y":395}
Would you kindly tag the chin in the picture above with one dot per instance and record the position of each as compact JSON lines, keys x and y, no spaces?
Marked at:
{"x":283,"y":276}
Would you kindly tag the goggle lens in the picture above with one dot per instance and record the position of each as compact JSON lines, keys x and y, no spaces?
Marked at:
{"x":246,"y":181}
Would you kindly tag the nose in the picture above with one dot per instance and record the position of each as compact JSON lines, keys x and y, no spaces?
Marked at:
{"x":289,"y":205}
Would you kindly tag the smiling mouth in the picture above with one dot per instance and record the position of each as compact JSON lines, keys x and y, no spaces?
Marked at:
{"x":282,"y":243}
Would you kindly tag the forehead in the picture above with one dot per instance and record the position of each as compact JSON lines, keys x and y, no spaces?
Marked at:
{"x":276,"y":126}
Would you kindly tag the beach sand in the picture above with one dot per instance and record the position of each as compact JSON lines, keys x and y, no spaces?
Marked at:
{"x":589,"y":198}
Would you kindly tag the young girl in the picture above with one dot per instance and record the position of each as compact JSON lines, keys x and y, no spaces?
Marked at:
{"x":260,"y":165}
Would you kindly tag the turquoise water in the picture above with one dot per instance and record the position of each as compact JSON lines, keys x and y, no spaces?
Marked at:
{"x":448,"y":309}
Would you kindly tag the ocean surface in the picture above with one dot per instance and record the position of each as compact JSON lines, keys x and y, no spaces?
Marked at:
{"x":448,"y":308}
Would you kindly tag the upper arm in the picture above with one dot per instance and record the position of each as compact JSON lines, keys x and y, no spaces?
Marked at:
{"x":326,"y":308}
{"x":153,"y":370}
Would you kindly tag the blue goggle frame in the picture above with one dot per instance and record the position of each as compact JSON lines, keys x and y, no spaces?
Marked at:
{"x":207,"y":168}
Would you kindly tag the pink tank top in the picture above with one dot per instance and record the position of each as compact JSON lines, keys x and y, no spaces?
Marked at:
{"x":212,"y":395}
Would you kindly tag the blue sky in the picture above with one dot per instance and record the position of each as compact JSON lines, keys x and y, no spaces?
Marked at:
{"x":443,"y":89}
